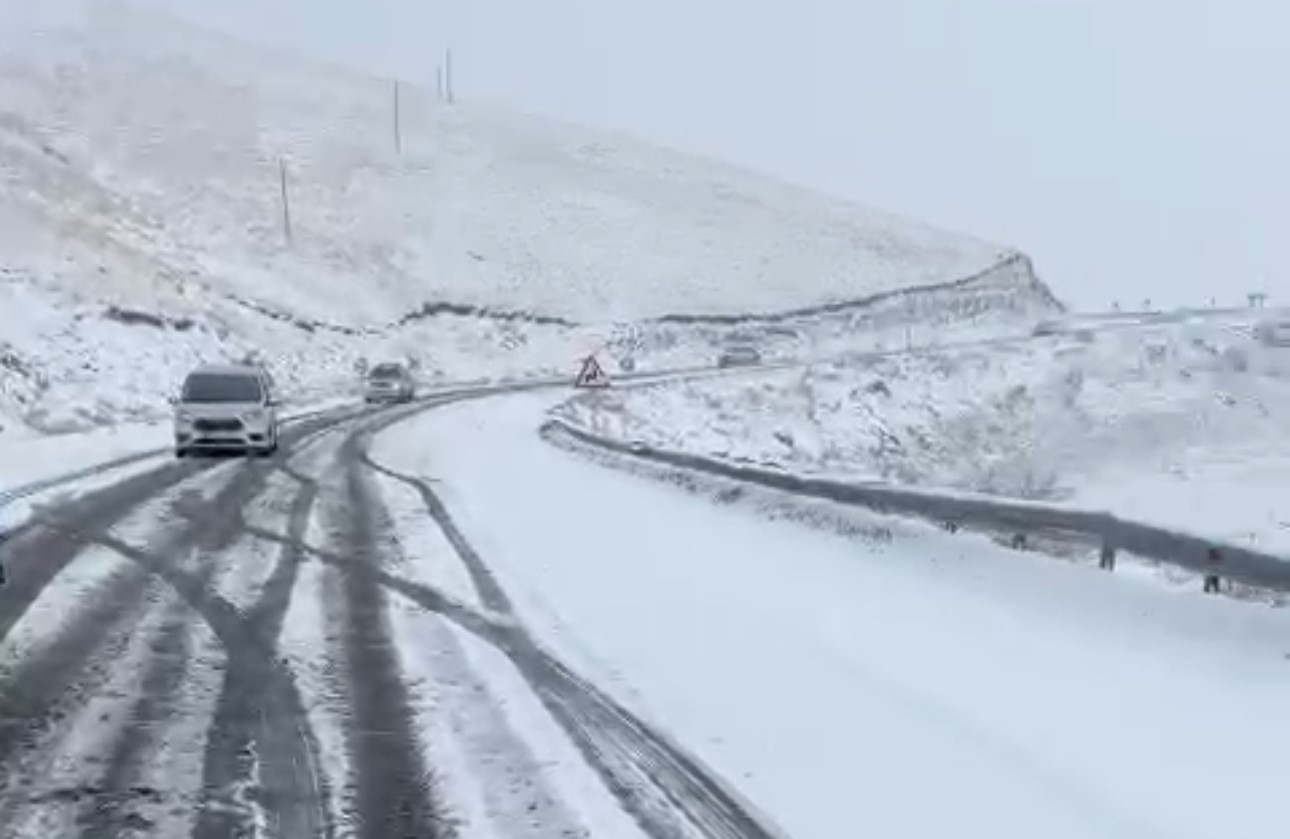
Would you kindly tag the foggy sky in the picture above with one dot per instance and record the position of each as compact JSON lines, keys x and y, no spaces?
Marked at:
{"x":1135,"y":148}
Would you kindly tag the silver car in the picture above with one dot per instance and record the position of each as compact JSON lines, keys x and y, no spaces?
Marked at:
{"x":739,"y":355}
{"x":389,"y":383}
{"x":226,"y":407}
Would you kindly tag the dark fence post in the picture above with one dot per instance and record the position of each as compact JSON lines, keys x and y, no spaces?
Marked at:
{"x":1106,"y":560}
{"x":1213,"y":583}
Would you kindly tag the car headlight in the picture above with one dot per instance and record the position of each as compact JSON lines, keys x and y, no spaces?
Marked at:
{"x":183,"y":418}
{"x":255,"y":417}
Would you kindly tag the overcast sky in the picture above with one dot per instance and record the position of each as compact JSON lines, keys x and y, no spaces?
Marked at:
{"x":1135,"y":148}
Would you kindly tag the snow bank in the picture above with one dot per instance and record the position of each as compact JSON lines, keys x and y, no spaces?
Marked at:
{"x":1180,"y":425}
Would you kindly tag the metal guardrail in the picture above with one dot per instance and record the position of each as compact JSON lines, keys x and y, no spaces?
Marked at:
{"x":1098,"y":529}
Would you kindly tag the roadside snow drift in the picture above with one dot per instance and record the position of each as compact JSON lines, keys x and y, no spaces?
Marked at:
{"x":1182,"y":425}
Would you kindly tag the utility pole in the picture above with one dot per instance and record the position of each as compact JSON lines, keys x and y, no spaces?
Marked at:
{"x":286,"y":199}
{"x":447,"y":77}
{"x":398,"y":129}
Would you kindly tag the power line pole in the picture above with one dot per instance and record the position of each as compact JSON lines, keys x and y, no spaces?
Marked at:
{"x":398,"y":129}
{"x":286,"y":199}
{"x":447,"y":77}
{"x":438,"y":82}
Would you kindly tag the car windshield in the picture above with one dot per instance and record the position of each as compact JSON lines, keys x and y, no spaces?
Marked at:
{"x":387,"y":371}
{"x":222,"y":387}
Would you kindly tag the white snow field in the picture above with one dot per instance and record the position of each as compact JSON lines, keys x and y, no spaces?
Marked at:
{"x":1178,"y":424}
{"x":142,"y":227}
{"x":912,"y":686}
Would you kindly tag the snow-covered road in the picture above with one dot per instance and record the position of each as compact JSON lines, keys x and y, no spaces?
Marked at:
{"x":410,"y":624}
{"x":236,"y":648}
{"x":858,"y":686}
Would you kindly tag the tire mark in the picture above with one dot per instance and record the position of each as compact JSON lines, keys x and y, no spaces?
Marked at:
{"x":261,"y":694}
{"x":44,"y":688}
{"x":166,"y":668}
{"x":271,"y":609}
{"x":34,"y":695}
{"x":55,"y":683}
{"x":395,"y":794}
{"x":33,"y":558}
{"x":292,"y":795}
{"x":490,"y":591}
{"x":287,"y":785}
{"x":667,"y":792}
{"x":111,"y":811}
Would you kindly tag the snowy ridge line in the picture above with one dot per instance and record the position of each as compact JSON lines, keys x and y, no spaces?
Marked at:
{"x":465,"y":310}
{"x":861,"y":303}
{"x":1171,"y":547}
{"x":426,"y":310}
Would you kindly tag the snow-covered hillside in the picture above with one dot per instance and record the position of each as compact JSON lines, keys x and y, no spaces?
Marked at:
{"x":140,"y":173}
{"x":1183,"y":423}
{"x":179,"y":133}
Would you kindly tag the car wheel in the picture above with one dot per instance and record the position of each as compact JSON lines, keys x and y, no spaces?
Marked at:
{"x":181,"y":453}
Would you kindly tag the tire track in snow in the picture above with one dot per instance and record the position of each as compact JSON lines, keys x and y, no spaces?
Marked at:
{"x":670,"y":794}
{"x":49,"y":690}
{"x":188,"y":536}
{"x":394,"y":792}
{"x":257,"y":743}
{"x":43,"y":699}
{"x":252,"y":743}
{"x":41,"y":551}
{"x":253,"y":676}
{"x":123,"y":799}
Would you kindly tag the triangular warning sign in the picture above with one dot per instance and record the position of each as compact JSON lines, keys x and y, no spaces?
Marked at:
{"x":591,"y":374}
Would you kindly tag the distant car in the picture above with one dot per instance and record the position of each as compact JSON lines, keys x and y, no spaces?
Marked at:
{"x":739,"y":355}
{"x":226,"y":407}
{"x":1047,"y":328}
{"x":389,"y":383}
{"x":1275,"y":333}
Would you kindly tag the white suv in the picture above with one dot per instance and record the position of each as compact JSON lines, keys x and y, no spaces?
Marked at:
{"x":226,"y":407}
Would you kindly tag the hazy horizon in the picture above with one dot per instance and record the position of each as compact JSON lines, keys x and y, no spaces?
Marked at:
{"x":1134,"y":153}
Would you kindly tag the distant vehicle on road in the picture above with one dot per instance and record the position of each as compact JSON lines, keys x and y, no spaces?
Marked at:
{"x":389,"y":383}
{"x":1048,"y":327}
{"x":226,"y":407}
{"x":1275,"y":333}
{"x":739,"y":355}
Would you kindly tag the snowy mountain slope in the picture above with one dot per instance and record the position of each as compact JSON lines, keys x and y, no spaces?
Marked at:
{"x":186,"y":131}
{"x":1180,"y":424}
{"x":141,"y":232}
